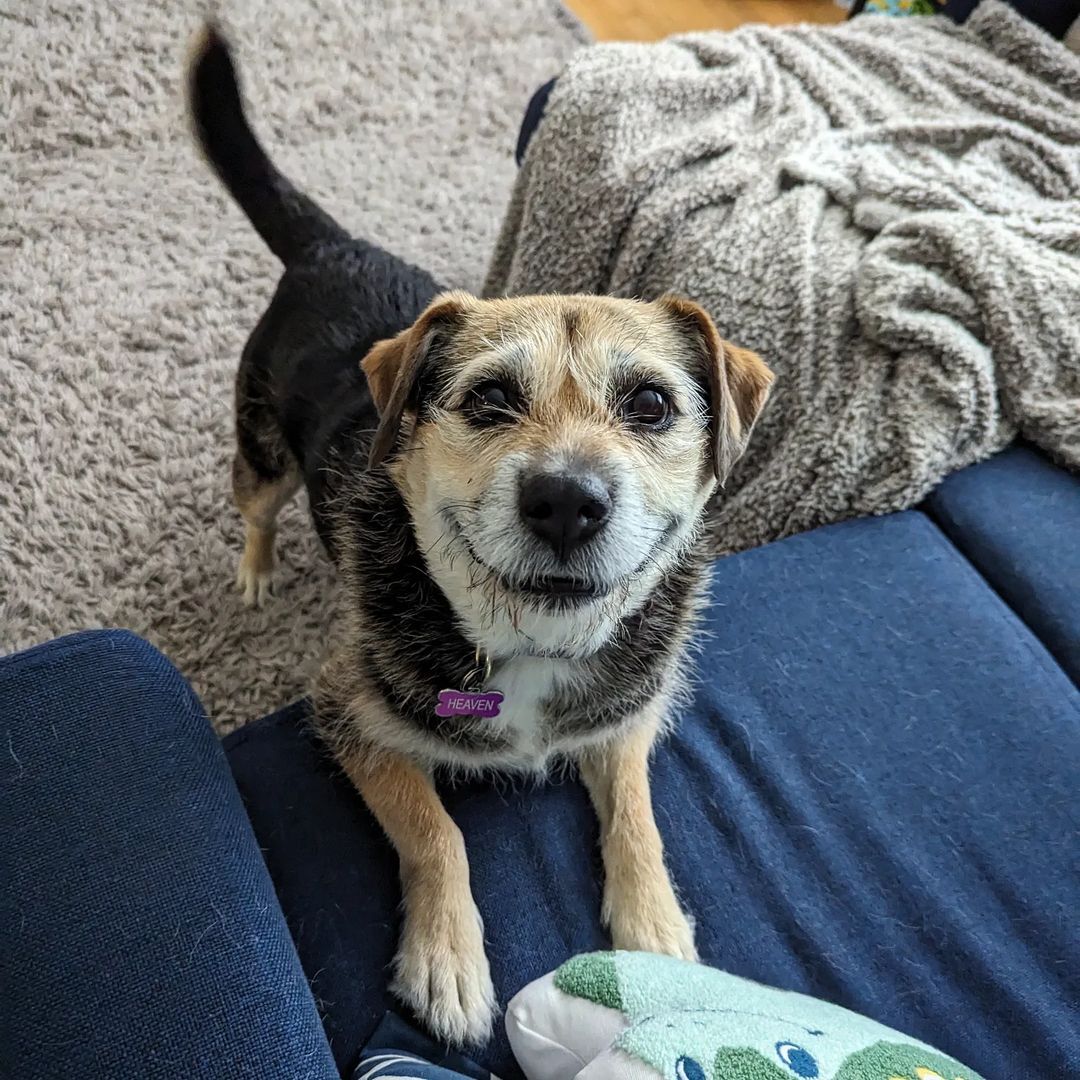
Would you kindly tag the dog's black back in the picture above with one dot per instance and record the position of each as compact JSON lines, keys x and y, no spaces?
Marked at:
{"x":301,"y":396}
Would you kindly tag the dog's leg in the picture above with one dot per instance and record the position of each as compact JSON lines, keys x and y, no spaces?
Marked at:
{"x":640,"y":906}
{"x":441,"y":968}
{"x":259,"y":501}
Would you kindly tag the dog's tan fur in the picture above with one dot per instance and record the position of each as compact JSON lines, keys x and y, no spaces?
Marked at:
{"x":259,"y":503}
{"x":640,"y":906}
{"x":571,"y":346}
{"x":538,"y":472}
{"x":569,"y":351}
{"x":441,"y":963}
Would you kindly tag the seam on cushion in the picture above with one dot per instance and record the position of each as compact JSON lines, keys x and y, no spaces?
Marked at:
{"x":1022,"y":632}
{"x":286,"y":715}
{"x":551,"y":1042}
{"x":951,"y":529}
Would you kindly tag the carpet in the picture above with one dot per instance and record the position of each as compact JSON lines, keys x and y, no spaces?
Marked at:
{"x":129,"y":283}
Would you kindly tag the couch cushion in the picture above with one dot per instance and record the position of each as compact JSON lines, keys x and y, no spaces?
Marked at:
{"x":141,"y":935}
{"x":871,"y":799}
{"x":1017,"y":518}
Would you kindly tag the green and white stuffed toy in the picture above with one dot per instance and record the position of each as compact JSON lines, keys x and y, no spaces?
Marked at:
{"x":635,"y":1016}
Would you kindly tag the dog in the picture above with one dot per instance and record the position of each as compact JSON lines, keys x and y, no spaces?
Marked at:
{"x":511,"y":491}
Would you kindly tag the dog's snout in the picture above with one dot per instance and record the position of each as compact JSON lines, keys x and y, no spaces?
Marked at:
{"x":565,"y":510}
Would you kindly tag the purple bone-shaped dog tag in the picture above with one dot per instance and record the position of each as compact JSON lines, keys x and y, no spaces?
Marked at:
{"x":459,"y":703}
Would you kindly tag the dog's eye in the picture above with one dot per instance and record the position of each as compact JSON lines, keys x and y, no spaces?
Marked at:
{"x":491,"y":403}
{"x":646,"y":406}
{"x":492,"y":396}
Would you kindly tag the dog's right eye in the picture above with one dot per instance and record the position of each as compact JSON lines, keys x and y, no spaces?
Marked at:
{"x":492,"y":396}
{"x":491,"y":403}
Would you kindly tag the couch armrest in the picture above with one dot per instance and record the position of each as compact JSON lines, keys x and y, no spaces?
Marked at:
{"x":142,"y":935}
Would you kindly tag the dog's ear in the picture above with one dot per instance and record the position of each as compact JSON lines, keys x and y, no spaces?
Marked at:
{"x":396,"y":366}
{"x":736,"y":380}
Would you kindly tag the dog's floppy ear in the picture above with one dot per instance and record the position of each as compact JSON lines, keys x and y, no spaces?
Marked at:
{"x":737,"y":381}
{"x":394,"y":367}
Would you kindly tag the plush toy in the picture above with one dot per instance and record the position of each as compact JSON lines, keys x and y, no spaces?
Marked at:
{"x":898,"y":7}
{"x":635,"y":1016}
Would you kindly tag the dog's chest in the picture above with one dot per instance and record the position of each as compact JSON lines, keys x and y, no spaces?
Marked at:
{"x":528,"y":684}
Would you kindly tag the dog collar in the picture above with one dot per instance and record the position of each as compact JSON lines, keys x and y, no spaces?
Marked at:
{"x":472,"y":699}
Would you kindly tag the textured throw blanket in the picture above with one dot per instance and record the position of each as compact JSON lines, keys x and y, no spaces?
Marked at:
{"x":888,"y":211}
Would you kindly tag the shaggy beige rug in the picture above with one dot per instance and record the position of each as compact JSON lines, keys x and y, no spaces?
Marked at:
{"x":128,"y":284}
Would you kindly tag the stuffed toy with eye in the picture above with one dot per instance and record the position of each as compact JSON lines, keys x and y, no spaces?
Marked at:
{"x":636,"y":1016}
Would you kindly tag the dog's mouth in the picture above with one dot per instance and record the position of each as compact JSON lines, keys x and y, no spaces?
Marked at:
{"x":547,"y":590}
{"x":556,"y":591}
{"x":568,"y":590}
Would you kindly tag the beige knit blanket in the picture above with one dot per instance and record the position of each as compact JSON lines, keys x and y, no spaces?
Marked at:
{"x":888,"y":211}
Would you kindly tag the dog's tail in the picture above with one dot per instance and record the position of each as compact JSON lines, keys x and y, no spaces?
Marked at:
{"x":283,"y":216}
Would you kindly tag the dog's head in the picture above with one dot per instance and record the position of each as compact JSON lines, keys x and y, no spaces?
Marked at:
{"x":556,"y":454}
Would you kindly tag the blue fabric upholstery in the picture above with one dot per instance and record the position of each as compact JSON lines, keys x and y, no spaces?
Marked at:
{"x":1017,"y":518}
{"x":399,"y":1051}
{"x":873,"y":799}
{"x":140,"y":932}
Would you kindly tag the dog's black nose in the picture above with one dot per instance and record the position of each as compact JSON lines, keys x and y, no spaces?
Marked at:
{"x":565,"y":510}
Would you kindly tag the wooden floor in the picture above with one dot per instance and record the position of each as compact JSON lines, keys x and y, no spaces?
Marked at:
{"x":647,"y":20}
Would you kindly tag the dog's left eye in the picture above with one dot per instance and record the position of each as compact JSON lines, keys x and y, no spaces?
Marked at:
{"x":491,"y":403}
{"x":646,"y":406}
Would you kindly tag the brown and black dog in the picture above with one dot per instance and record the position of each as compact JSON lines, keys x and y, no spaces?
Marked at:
{"x":511,"y":491}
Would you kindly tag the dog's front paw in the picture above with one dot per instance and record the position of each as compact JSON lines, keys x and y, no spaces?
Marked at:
{"x":441,"y":970}
{"x":653,"y":924}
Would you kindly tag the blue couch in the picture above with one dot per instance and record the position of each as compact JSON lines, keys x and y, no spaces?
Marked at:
{"x":873,"y":798}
